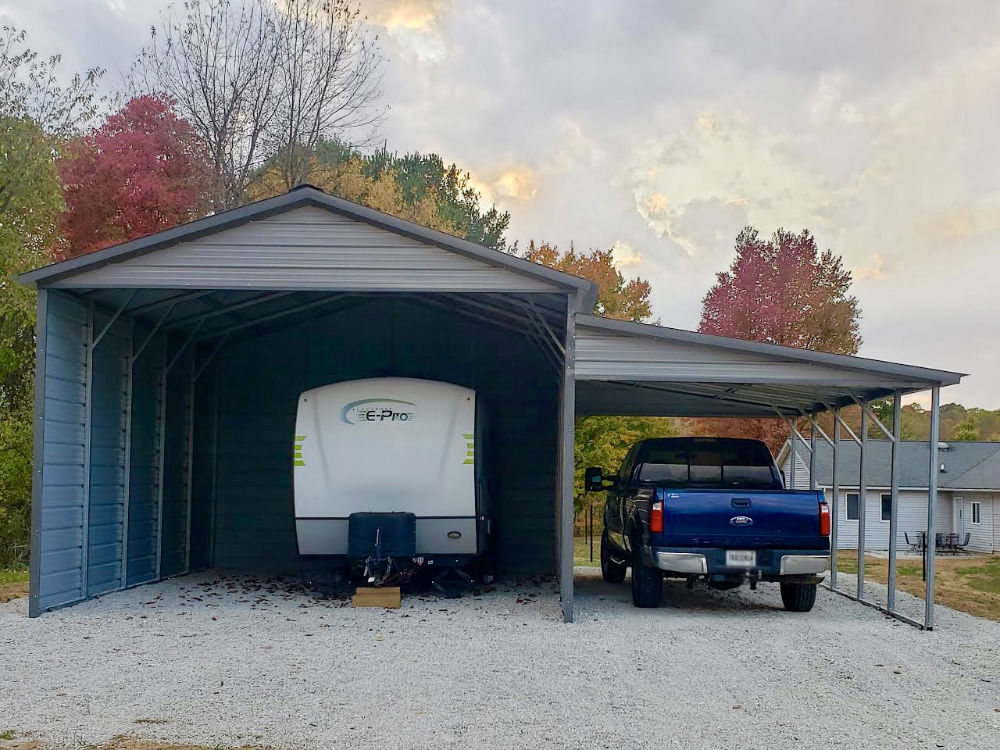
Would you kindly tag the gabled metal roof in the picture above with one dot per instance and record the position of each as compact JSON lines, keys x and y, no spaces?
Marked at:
{"x":306,"y":195}
{"x":633,"y":368}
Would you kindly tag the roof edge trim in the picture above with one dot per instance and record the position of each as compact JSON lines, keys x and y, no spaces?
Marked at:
{"x":645,"y":330}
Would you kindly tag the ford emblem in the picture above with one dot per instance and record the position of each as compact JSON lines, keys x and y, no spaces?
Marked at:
{"x":741,"y":521}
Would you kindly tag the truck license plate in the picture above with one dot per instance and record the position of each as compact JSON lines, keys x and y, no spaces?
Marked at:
{"x":740,"y":558}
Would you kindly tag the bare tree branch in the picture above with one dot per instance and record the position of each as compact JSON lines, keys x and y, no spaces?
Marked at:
{"x":259,"y":79}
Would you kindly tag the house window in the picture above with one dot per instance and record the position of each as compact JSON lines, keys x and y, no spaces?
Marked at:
{"x":852,"y":506}
{"x":886,"y":507}
{"x":976,"y":513}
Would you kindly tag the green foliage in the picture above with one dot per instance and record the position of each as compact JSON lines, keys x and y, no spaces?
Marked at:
{"x":30,"y":203}
{"x":416,"y":187}
{"x":957,"y":422}
{"x":604,"y":441}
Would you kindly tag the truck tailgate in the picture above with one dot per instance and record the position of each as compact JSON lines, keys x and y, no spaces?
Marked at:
{"x":751,"y":519}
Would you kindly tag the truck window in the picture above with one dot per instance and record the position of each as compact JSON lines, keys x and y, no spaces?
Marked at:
{"x":725,"y":465}
{"x":625,"y":469}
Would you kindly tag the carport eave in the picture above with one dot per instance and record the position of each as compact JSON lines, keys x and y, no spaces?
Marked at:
{"x":307,"y":195}
{"x":910,"y":377}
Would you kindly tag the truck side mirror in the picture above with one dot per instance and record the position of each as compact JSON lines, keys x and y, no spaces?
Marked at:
{"x":593,"y":479}
{"x":784,"y":481}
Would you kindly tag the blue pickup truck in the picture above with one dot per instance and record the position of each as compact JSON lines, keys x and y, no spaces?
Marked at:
{"x":713,"y":510}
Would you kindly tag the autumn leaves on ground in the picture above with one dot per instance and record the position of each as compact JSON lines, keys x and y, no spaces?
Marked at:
{"x":966,"y":583}
{"x":118,"y":743}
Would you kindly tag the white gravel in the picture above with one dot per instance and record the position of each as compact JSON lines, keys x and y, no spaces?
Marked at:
{"x":225,"y":661}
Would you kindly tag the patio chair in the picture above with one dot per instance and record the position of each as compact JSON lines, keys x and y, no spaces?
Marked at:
{"x":965,"y":542}
{"x":917,"y":544}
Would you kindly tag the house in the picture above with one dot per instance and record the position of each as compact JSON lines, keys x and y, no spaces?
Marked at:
{"x":968,"y":500}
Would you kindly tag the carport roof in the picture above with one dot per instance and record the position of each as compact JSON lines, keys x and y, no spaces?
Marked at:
{"x":307,"y":195}
{"x":631,"y":368}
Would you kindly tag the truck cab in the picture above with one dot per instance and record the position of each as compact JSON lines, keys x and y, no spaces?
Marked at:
{"x":710,"y":510}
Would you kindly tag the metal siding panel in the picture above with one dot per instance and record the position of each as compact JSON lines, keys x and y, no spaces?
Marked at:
{"x":142,"y":525}
{"x":59,"y":537}
{"x":107,"y":457}
{"x":606,"y":355}
{"x":308,"y":248}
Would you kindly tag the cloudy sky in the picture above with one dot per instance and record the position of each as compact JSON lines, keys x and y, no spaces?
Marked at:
{"x":661,"y":128}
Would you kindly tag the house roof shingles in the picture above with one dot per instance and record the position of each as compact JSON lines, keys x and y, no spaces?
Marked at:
{"x":967,"y":465}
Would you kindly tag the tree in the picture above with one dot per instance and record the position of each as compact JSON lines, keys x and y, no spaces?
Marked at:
{"x":415,"y":187}
{"x":36,"y":112}
{"x":142,"y":171}
{"x":29,"y":87}
{"x":783,"y":291}
{"x":780,"y":291}
{"x":258,"y":79}
{"x":604,"y":440}
{"x":617,"y":297}
{"x":329,"y":82}
{"x":30,"y":203}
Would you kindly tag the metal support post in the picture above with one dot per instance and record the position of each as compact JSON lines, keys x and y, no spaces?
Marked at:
{"x":894,"y":497}
{"x":930,"y":544}
{"x":862,"y":502}
{"x":791,"y":456}
{"x":812,"y":452}
{"x":835,"y":500}
{"x":127,"y":473}
{"x":567,"y":411}
{"x":88,"y":421}
{"x":161,"y":464}
{"x":189,"y":459}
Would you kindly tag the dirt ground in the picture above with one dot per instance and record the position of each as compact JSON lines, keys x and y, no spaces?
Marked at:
{"x":968,"y":583}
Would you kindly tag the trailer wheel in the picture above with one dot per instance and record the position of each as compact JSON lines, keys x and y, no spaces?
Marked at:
{"x":611,"y":571}
{"x":647,"y":583}
{"x":798,"y":597}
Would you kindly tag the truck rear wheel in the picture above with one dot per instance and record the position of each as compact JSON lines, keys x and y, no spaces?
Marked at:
{"x":611,"y":571}
{"x":647,"y":583}
{"x":798,"y":597}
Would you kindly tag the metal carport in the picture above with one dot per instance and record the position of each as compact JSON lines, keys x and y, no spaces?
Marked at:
{"x":626,"y":368}
{"x":166,"y":367}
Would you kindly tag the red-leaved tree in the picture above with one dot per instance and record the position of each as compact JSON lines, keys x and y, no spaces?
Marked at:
{"x":144,"y":170}
{"x":783,"y":291}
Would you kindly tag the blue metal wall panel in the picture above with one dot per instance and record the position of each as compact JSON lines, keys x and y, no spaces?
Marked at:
{"x":173,"y":548}
{"x":60,"y":498}
{"x":259,"y":387}
{"x":143,"y":476}
{"x":107,"y":457}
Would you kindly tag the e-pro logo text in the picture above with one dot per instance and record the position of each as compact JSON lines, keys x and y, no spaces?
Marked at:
{"x":377,"y":410}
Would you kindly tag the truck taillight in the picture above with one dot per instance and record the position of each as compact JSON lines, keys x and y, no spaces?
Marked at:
{"x":656,"y":517}
{"x":824,"y":519}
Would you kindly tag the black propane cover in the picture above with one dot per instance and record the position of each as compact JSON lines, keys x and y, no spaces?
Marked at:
{"x":398,"y":534}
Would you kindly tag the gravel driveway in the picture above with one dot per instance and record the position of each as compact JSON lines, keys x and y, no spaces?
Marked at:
{"x":231,"y":660}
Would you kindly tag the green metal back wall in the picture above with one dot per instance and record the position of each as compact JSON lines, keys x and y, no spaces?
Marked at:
{"x":259,"y":381}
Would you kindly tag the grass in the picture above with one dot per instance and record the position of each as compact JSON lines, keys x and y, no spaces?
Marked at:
{"x":968,"y":584}
{"x":13,"y":583}
{"x":581,"y":551}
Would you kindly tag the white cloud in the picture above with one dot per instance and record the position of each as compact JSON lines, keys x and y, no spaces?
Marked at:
{"x":412,"y":26}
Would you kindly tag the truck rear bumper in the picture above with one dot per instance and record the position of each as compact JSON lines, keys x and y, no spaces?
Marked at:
{"x":681,"y":562}
{"x":771,"y":563}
